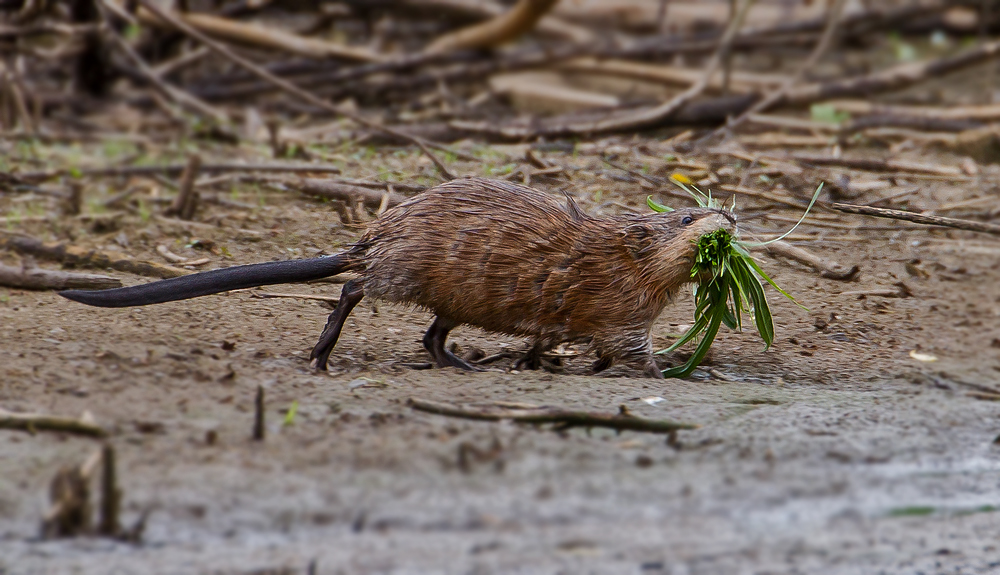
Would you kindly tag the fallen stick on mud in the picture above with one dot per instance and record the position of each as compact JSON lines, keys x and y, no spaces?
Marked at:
{"x":75,"y":255}
{"x":516,"y":21}
{"x":111,"y":495}
{"x":982,"y":227}
{"x":70,"y":512}
{"x":100,"y":219}
{"x":560,"y":418}
{"x":879,"y":165}
{"x":264,"y":37}
{"x":828,"y":269}
{"x":333,"y":190}
{"x":259,"y":428}
{"x":31,"y":277}
{"x":186,"y":200}
{"x":32,"y":422}
{"x":177,"y":169}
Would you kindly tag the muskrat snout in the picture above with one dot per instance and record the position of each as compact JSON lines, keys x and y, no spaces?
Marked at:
{"x":697,"y":222}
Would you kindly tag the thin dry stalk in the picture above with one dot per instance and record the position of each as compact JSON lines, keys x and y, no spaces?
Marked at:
{"x":515,"y":22}
{"x":259,"y":428}
{"x":186,"y":201}
{"x":32,"y":422}
{"x":560,"y":418}
{"x":929,"y":220}
{"x":83,"y":257}
{"x":30,"y":277}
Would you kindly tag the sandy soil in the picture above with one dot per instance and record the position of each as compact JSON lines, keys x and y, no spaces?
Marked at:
{"x":833,"y":452}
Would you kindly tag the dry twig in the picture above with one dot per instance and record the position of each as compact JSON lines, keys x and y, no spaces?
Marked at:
{"x":828,"y":269}
{"x":32,"y":422}
{"x":259,"y":427}
{"x":560,"y":418}
{"x":880,"y":165}
{"x":31,"y":277}
{"x":335,"y":190}
{"x":263,"y":37}
{"x":503,"y":28}
{"x":176,"y":169}
{"x":77,"y":256}
{"x":968,"y":225}
{"x":186,"y":201}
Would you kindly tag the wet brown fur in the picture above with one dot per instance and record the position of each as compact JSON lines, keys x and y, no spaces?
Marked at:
{"x":513,"y":260}
{"x":495,"y":255}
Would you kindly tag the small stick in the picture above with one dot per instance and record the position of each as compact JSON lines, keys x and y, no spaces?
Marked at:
{"x":879,"y":165}
{"x":111,"y":495}
{"x":75,"y":255}
{"x":32,"y":422}
{"x":186,"y":200}
{"x":31,"y":277}
{"x":97,"y":218}
{"x":268,"y":37}
{"x":521,"y":18}
{"x":334,"y":190}
{"x":561,"y":418}
{"x":258,"y":418}
{"x":69,"y":492}
{"x":827,"y":269}
{"x":74,"y":203}
{"x":971,"y":226}
{"x":170,"y":256}
{"x":177,"y":169}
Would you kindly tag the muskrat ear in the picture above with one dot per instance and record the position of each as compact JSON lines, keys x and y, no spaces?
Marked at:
{"x":638,"y":238}
{"x":574,"y":208}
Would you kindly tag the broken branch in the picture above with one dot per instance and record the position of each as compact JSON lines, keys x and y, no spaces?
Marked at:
{"x":495,"y":31}
{"x":75,"y":255}
{"x":560,"y":418}
{"x":32,"y":422}
{"x":828,"y":269}
{"x":30,"y":277}
{"x":967,"y":225}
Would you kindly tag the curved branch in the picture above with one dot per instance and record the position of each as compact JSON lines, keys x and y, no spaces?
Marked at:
{"x":505,"y":27}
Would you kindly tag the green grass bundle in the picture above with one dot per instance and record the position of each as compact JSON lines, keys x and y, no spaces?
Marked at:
{"x":728,"y":288}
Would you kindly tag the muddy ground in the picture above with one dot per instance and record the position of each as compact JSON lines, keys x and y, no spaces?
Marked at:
{"x":835,"y":451}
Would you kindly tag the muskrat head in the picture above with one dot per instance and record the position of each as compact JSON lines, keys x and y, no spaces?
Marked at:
{"x":664,"y":245}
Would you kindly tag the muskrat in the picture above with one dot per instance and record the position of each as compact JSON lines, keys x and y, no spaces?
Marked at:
{"x":495,"y":255}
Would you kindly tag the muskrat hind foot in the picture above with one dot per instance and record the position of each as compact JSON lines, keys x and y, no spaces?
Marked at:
{"x":434,"y":340}
{"x":350,"y":296}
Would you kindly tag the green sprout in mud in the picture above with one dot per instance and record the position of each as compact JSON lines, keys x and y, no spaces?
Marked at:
{"x":727,"y":286}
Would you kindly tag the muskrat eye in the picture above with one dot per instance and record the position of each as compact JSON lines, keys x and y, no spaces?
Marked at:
{"x":687,"y":220}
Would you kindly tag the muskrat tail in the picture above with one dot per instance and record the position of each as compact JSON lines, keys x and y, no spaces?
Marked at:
{"x":216,"y":281}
